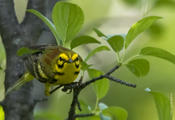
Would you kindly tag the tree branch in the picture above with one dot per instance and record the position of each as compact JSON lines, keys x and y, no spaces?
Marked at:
{"x":73,"y":105}
{"x":107,"y":75}
{"x":77,"y":88}
{"x":19,"y":104}
{"x":8,"y":19}
{"x":30,"y":28}
{"x":83,"y":115}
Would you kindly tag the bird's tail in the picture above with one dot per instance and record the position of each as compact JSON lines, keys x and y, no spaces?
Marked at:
{"x":24,"y":79}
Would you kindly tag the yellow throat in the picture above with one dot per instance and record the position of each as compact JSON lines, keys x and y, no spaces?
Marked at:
{"x":67,"y":68}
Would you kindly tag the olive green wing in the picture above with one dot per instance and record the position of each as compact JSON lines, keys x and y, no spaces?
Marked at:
{"x":31,"y":59}
{"x":24,"y":79}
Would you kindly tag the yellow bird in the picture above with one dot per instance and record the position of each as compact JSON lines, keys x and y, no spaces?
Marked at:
{"x":51,"y":65}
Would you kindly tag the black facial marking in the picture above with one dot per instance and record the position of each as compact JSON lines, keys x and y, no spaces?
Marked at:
{"x":61,"y":66}
{"x":77,"y":72}
{"x":59,"y":73}
{"x":53,"y":81}
{"x":76,"y":59}
{"x":77,"y":65}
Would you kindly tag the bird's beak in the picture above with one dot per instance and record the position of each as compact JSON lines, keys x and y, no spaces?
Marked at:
{"x":70,"y":61}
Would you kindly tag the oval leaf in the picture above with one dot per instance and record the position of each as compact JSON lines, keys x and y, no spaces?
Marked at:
{"x":103,"y":117}
{"x":68,"y":19}
{"x":116,"y":113}
{"x":116,"y":42}
{"x":85,"y":66}
{"x":24,"y":51}
{"x":99,"y":33}
{"x":2,"y":114}
{"x":139,"y":27}
{"x":139,"y":67}
{"x":163,"y":105}
{"x":98,"y":49}
{"x":158,"y":52}
{"x":101,"y":87}
{"x":83,"y":40}
{"x":48,"y":23}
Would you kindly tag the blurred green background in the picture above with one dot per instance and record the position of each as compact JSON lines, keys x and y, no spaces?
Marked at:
{"x":115,"y":17}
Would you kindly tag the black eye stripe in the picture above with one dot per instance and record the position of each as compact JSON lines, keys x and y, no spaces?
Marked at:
{"x":77,"y":72}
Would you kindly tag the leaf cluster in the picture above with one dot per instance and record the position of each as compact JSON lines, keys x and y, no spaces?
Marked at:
{"x":67,"y":20}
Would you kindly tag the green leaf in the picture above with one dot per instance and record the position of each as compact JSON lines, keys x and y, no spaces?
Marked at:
{"x":163,"y":105}
{"x":85,"y":66}
{"x":96,"y":117}
{"x":139,"y":67}
{"x":24,"y":51}
{"x":101,"y":87}
{"x":68,"y":19}
{"x":83,"y":40}
{"x":139,"y":27}
{"x":98,"y":49}
{"x":116,"y":42}
{"x":2,"y":114}
{"x":85,"y":108}
{"x":103,"y":117}
{"x":158,"y":52}
{"x":116,"y":113}
{"x":99,"y":33}
{"x":48,"y":23}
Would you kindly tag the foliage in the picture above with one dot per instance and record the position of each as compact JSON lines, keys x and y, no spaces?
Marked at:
{"x":139,"y":67}
{"x":163,"y":105}
{"x":83,"y":40}
{"x":101,"y":87}
{"x":67,"y":21}
{"x":24,"y":51}
{"x":158,"y":52}
{"x":2,"y":114}
{"x":139,"y":27}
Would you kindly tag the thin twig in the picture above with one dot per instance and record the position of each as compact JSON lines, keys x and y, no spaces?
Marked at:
{"x":78,"y":87}
{"x":107,"y":75}
{"x":83,"y":115}
{"x":120,"y":81}
{"x":113,"y":69}
{"x":55,"y":89}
